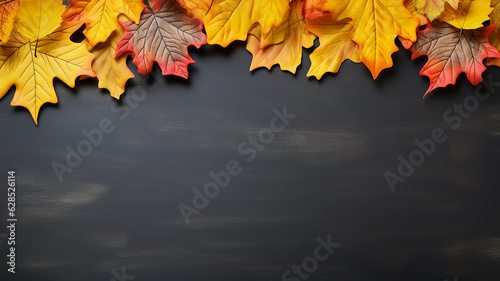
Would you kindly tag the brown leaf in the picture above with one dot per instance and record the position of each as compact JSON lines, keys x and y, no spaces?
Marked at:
{"x":162,"y":35}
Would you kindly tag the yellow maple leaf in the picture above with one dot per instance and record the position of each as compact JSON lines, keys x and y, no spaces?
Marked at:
{"x":451,"y":12}
{"x":30,"y":62}
{"x":112,"y":73}
{"x":100,"y":16}
{"x":335,"y":45}
{"x":433,"y":8}
{"x":196,"y":9}
{"x":288,"y":52}
{"x":8,"y":10}
{"x":376,"y":23}
{"x":473,"y":15}
{"x":230,"y":20}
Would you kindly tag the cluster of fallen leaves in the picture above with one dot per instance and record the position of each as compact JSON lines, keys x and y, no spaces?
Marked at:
{"x":35,"y":44}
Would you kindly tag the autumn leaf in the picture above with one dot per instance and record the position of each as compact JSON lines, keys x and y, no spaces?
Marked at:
{"x":311,"y":9}
{"x":335,"y":45}
{"x":163,"y":35}
{"x":8,"y":11}
{"x":112,"y":73}
{"x":452,"y":51}
{"x":432,"y":9}
{"x":230,"y":20}
{"x":495,"y":35}
{"x":196,"y":9}
{"x":100,"y":16}
{"x":423,"y":20}
{"x":376,"y":23}
{"x":37,"y":20}
{"x":450,"y":12}
{"x":39,"y":50}
{"x":474,"y":15}
{"x":288,"y":52}
{"x":290,"y":25}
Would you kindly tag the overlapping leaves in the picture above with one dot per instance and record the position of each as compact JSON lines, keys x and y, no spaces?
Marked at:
{"x":35,"y":44}
{"x":365,"y":31}
{"x":38,"y":50}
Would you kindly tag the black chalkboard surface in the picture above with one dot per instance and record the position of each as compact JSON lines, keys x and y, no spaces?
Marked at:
{"x":233,"y":175}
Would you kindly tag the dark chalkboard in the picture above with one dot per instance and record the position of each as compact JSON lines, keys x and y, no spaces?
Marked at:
{"x":292,"y":199}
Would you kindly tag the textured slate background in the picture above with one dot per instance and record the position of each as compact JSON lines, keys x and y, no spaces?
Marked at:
{"x":323,"y":175}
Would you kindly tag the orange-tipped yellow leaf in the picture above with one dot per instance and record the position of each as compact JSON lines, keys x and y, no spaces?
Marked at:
{"x":376,"y":24}
{"x":112,"y":73}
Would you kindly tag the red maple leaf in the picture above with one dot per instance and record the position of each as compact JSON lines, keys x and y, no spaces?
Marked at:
{"x":452,"y":51}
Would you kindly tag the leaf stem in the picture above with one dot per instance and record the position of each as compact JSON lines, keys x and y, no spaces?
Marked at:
{"x":36,"y":46}
{"x":146,"y":3}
